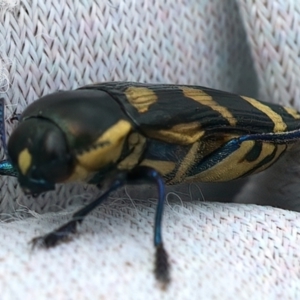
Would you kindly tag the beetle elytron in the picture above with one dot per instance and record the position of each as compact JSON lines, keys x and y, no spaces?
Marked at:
{"x":131,"y":132}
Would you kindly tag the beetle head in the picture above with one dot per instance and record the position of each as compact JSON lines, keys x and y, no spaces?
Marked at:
{"x":39,"y":151}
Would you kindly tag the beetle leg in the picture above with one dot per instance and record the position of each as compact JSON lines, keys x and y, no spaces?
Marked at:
{"x":142,"y":174}
{"x":138,"y":174}
{"x":64,"y":232}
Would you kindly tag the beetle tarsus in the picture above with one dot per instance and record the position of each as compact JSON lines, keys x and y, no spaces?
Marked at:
{"x":61,"y":234}
{"x":162,"y":267}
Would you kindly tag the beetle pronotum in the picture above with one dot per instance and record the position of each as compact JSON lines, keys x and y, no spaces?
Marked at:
{"x":130,"y":132}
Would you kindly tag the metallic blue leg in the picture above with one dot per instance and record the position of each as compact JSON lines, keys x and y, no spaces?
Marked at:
{"x":162,"y":268}
{"x":137,"y":175}
{"x":63,"y":233}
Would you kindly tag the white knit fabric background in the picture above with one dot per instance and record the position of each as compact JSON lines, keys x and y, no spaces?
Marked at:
{"x":217,"y":250}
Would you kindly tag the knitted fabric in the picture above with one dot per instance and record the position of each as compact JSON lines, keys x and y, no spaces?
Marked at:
{"x":216,"y":250}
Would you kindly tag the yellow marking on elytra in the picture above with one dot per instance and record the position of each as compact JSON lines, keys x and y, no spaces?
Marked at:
{"x":163,"y":167}
{"x":234,"y":165}
{"x":292,"y":112}
{"x":280,"y":149}
{"x":106,"y":149}
{"x":207,"y":100}
{"x":24,"y":161}
{"x":279,"y":124}
{"x":186,"y":164}
{"x":182,"y":134}
{"x":136,"y":143}
{"x":141,"y":98}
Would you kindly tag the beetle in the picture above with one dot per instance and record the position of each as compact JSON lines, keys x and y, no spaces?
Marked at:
{"x":128,"y":132}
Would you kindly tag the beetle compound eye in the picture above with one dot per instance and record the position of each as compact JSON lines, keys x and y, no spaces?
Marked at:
{"x":39,"y":150}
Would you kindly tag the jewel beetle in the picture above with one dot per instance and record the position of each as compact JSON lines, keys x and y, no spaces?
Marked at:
{"x":127,"y":132}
